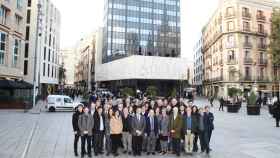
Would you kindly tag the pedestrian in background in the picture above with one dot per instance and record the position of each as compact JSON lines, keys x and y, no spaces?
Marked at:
{"x":77,"y":132}
{"x":86,"y":124}
{"x":276,"y":112}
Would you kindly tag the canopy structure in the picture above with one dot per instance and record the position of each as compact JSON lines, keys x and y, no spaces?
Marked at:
{"x":10,"y":84}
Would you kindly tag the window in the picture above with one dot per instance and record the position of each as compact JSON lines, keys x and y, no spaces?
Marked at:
{"x":19,"y":4}
{"x":246,"y":39}
{"x":29,"y":3}
{"x":260,"y":28}
{"x":229,"y":11}
{"x":67,"y":100}
{"x":16,"y":52}
{"x":3,"y":15}
{"x":45,"y":52}
{"x":247,"y":54}
{"x":230,"y":26}
{"x":247,"y":72}
{"x":48,"y":70}
{"x":231,"y":55}
{"x":26,"y":49}
{"x":25,"y":68}
{"x":28,"y":16}
{"x":18,"y":20}
{"x":246,"y":26}
{"x":44,"y":69}
{"x":245,"y":12}
{"x":3,"y":37}
{"x":27,"y":33}
{"x":49,"y":55}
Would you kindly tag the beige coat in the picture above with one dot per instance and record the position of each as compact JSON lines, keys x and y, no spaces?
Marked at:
{"x":116,"y":125}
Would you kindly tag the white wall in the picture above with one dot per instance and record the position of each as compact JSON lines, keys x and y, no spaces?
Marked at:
{"x":143,"y":67}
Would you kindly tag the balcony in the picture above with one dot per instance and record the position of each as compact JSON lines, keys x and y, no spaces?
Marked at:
{"x":230,"y":15}
{"x":231,"y":62}
{"x":261,"y":18}
{"x":248,"y":60}
{"x":217,"y":79}
{"x":262,"y":33}
{"x":248,"y":78}
{"x":262,"y":78}
{"x":262,"y":46}
{"x":246,"y":29}
{"x":230,"y":45}
{"x":262,"y":62}
{"x":246,"y":15}
{"x":247,"y":45}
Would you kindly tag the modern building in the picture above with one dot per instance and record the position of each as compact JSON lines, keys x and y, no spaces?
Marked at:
{"x":42,"y":45}
{"x":141,"y":27}
{"x":141,"y":46}
{"x":67,"y":60}
{"x":235,"y":42}
{"x":198,"y":67}
{"x":84,"y":78}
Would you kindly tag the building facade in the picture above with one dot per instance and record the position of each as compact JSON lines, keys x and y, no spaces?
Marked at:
{"x":84,"y":78}
{"x":198,"y":67}
{"x":42,"y":45}
{"x":235,"y":42}
{"x":67,"y":60}
{"x":141,"y":27}
{"x":12,"y":38}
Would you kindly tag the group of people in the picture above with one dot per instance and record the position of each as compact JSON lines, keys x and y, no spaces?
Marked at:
{"x":151,"y":126}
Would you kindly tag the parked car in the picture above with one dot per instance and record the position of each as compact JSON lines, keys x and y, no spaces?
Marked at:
{"x":60,"y":102}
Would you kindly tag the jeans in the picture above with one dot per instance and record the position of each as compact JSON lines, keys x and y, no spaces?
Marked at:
{"x":76,"y":140}
{"x":176,"y":145}
{"x":98,"y":142}
{"x":108,"y":143}
{"x":86,"y":139}
{"x":189,"y":137}
{"x":127,"y":141}
{"x":151,"y":143}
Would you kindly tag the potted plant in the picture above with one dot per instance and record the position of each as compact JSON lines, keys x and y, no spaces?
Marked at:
{"x":233,"y":106}
{"x":252,"y":107}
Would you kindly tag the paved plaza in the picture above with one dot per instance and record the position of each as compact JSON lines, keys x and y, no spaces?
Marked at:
{"x":235,"y":135}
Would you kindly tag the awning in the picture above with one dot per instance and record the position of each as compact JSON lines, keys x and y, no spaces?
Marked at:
{"x":10,"y":84}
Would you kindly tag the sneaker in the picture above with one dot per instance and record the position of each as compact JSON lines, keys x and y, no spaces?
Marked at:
{"x":124,"y":152}
{"x":153,"y":153}
{"x":148,"y":153}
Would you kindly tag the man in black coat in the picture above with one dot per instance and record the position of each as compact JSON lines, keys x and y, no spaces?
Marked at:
{"x":276,"y":113}
{"x":75,"y":119}
{"x":209,"y":123}
{"x":98,"y":130}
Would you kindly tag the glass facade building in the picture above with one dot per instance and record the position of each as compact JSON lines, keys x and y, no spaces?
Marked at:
{"x":141,"y":27}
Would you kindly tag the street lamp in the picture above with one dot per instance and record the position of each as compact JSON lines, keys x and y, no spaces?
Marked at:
{"x":38,"y":34}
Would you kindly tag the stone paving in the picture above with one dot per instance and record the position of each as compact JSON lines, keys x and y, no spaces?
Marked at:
{"x":235,"y":135}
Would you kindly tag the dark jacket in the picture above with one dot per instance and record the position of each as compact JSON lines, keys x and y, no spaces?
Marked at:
{"x":276,"y":110}
{"x":75,"y":120}
{"x":85,"y":123}
{"x":176,"y":125}
{"x":96,"y":127}
{"x":194,"y":128}
{"x":127,"y":123}
{"x":209,"y":121}
{"x":148,"y":126}
{"x":138,"y":125}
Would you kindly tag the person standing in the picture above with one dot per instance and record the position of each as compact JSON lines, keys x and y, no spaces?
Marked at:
{"x":209,"y":123}
{"x":276,"y":112}
{"x":211,"y":100}
{"x":138,"y":127}
{"x":126,"y":136}
{"x":99,"y":129}
{"x":203,"y":135}
{"x":195,"y":115}
{"x":116,"y":128}
{"x":222,"y":102}
{"x":151,"y":131}
{"x":164,"y":128}
{"x":86,"y":124}
{"x":176,"y":124}
{"x":77,"y":133}
{"x":189,"y":130}
{"x":92,"y":112}
{"x":108,"y":142}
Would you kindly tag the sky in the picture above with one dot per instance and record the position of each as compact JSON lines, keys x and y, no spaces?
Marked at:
{"x":80,"y":18}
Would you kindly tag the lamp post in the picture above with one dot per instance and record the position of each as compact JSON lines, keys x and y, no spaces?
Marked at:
{"x":38,"y":34}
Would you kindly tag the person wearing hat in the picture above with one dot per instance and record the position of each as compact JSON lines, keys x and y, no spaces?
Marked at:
{"x":75,"y":120}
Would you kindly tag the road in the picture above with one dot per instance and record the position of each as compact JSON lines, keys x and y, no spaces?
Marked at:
{"x":235,"y":135}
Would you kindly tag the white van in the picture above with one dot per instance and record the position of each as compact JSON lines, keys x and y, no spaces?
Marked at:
{"x":60,"y":102}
